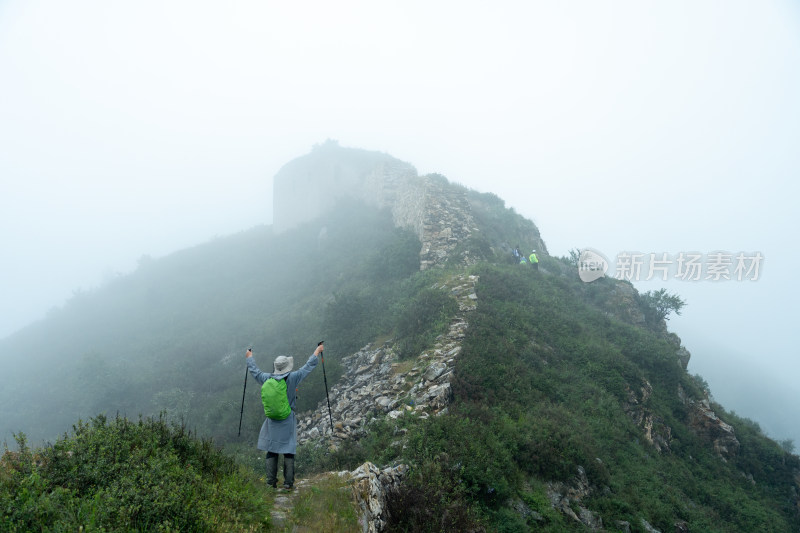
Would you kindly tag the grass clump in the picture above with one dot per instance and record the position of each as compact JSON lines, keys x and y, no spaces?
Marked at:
{"x":326,"y":506}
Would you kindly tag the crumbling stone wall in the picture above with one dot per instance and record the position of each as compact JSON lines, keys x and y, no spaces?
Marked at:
{"x":376,"y":382}
{"x":446,"y":221}
{"x":437,"y":211}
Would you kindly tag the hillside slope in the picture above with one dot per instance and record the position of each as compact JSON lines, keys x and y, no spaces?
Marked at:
{"x":170,"y":336}
{"x":520,"y":399}
{"x":561,"y":416}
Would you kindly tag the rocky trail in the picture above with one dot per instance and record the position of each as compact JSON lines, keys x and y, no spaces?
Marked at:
{"x":377,"y":384}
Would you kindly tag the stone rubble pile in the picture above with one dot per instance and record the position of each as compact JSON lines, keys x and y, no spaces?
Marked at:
{"x":376,"y":383}
{"x":446,"y":221}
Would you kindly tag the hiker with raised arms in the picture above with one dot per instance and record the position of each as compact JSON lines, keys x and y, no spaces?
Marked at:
{"x":279,"y":432}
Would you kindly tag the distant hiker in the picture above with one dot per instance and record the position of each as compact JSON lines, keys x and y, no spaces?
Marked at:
{"x":534,"y":260}
{"x":516,"y":253}
{"x":280,"y":436}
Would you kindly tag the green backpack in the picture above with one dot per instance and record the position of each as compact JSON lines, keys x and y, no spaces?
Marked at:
{"x":273,"y":396}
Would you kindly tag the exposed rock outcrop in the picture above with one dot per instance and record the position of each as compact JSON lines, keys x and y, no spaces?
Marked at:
{"x":681,"y":526}
{"x":563,"y":496}
{"x":648,"y":528}
{"x":709,"y":426}
{"x":522,"y":509}
{"x":683,"y":357}
{"x":656,"y":432}
{"x":681,"y":353}
{"x":622,"y":303}
{"x":371,"y":485}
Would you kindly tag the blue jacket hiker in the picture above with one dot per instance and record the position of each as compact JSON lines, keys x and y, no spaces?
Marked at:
{"x":280,"y":436}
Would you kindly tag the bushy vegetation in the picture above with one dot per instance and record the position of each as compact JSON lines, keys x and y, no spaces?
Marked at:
{"x":541,"y":389}
{"x":432,"y":500}
{"x":501,"y":228}
{"x":425,"y":316}
{"x":660,"y":304}
{"x":549,"y":372}
{"x":119,"y":475}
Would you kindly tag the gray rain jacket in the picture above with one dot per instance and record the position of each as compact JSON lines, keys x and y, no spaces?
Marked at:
{"x":280,"y":436}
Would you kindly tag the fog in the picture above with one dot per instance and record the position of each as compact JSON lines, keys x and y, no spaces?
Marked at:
{"x":142,"y":128}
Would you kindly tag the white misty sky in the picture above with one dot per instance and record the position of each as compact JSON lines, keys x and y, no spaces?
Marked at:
{"x":144,"y":127}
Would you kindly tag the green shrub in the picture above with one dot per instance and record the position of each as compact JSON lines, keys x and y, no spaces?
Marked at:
{"x":132,"y":476}
{"x":427,"y":315}
{"x":315,"y":457}
{"x":432,"y":499}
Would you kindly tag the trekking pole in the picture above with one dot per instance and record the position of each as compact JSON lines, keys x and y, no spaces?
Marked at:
{"x":241,"y":413}
{"x":325,"y":378}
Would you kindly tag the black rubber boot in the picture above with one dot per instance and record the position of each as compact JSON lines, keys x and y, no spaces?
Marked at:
{"x":288,"y":470}
{"x":272,"y":469}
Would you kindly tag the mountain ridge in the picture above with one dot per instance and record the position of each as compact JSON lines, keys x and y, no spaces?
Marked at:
{"x":522,"y":399}
{"x":441,"y":214}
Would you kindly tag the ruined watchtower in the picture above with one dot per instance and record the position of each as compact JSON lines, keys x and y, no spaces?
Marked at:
{"x":437,"y":211}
